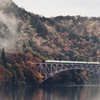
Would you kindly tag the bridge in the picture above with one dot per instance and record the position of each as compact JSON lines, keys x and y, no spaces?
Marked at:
{"x":50,"y":67}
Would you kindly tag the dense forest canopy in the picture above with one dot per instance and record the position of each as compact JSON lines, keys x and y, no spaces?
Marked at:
{"x":28,"y":38}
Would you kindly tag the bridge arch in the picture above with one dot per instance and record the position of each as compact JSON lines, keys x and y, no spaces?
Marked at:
{"x":50,"y":69}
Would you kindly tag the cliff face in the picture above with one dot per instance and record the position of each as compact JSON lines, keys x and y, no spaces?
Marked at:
{"x":27,"y":35}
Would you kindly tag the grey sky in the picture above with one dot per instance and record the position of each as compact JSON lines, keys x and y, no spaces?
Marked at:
{"x":50,"y":8}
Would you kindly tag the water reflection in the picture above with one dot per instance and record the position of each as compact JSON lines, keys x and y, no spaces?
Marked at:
{"x":52,"y":93}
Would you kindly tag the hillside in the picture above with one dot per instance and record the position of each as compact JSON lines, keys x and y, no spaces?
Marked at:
{"x":62,"y":37}
{"x":23,"y":33}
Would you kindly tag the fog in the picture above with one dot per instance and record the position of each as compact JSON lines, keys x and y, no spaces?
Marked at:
{"x":8,"y":30}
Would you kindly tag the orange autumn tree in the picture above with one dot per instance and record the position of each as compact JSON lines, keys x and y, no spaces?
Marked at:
{"x":22,"y":65}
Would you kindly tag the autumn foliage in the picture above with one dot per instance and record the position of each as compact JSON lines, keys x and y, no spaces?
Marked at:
{"x":70,"y":38}
{"x":20,"y":70}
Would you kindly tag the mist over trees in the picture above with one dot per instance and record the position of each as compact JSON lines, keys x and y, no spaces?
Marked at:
{"x":28,"y":38}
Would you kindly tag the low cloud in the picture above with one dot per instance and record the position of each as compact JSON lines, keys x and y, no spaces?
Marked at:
{"x":8,"y":31}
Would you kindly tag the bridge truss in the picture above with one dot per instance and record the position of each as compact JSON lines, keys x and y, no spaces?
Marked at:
{"x":49,"y":69}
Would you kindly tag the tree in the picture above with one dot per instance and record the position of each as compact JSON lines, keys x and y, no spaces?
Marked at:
{"x":3,"y":58}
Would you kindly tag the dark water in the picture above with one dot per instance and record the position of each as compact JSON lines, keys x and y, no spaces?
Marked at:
{"x":52,"y":93}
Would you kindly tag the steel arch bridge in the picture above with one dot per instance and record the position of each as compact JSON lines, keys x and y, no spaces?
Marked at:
{"x":49,"y":69}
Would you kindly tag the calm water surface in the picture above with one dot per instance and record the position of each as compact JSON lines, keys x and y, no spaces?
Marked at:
{"x":52,"y":93}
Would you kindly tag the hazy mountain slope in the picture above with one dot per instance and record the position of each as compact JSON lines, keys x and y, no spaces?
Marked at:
{"x":64,"y":38}
{"x":28,"y":38}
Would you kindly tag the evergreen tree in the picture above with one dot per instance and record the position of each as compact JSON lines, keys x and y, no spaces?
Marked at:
{"x":3,"y":58}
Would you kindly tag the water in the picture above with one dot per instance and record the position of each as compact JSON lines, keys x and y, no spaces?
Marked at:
{"x":52,"y":93}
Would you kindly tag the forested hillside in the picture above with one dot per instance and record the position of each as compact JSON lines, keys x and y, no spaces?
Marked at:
{"x":28,"y":38}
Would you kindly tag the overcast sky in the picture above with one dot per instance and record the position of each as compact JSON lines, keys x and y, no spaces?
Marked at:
{"x":51,"y":8}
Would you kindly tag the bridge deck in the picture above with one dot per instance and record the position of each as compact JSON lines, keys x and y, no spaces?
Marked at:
{"x":71,"y":62}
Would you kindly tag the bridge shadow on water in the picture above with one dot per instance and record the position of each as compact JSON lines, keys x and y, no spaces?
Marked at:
{"x":52,"y":93}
